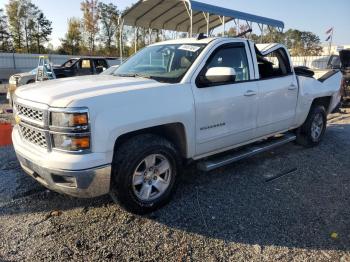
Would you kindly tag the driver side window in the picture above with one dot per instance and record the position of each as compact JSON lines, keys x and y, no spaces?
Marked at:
{"x":233,"y":57}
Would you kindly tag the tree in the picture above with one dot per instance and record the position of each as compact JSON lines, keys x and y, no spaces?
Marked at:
{"x":90,"y":22}
{"x":108,"y":14}
{"x":28,"y":25}
{"x":272,"y":35}
{"x":73,"y":38}
{"x":231,"y":32}
{"x":302,"y":43}
{"x":30,"y":12}
{"x":15,"y":13}
{"x":312,"y":44}
{"x":42,"y":31}
{"x":5,"y":43}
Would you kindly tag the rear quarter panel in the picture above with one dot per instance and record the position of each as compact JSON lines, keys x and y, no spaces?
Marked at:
{"x":310,"y":89}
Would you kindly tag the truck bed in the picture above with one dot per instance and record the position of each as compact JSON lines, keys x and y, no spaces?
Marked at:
{"x":318,"y":74}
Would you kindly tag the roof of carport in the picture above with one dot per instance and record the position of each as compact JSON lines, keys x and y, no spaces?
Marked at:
{"x":174,"y":15}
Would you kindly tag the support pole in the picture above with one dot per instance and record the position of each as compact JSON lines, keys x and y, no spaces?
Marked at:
{"x":330,"y":43}
{"x":207,"y":19}
{"x":262,"y":33}
{"x":222,"y":20}
{"x":208,"y":23}
{"x":190,"y":14}
{"x":149,"y":35}
{"x":135,"y":39}
{"x":191,"y":21}
{"x":121,"y":24}
{"x":223,"y":24}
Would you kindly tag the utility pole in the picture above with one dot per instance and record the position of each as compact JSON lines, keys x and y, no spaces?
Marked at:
{"x":330,"y":42}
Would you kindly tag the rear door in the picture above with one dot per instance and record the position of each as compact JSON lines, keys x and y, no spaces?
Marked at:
{"x":85,"y":67}
{"x":278,"y":92}
{"x":226,"y":114}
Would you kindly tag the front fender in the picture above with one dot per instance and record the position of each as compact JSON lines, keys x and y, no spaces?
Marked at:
{"x":117,"y":114}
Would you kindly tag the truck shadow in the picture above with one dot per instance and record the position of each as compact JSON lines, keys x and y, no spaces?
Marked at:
{"x":290,"y":197}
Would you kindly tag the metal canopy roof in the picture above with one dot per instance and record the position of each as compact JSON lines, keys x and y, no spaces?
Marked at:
{"x":187,"y":16}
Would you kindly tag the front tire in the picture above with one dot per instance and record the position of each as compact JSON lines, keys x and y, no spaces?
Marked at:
{"x":145,"y":170}
{"x":310,"y":134}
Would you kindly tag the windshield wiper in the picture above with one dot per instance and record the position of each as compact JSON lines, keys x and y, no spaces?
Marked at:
{"x":156,"y":78}
{"x":134,"y":75}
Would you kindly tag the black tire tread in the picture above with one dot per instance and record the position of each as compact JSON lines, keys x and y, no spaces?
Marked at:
{"x":124,"y":160}
{"x":303,"y":133}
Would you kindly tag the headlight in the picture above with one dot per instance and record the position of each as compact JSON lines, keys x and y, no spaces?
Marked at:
{"x":70,"y":129}
{"x":70,"y":120}
{"x":12,"y":81}
{"x":71,"y":142}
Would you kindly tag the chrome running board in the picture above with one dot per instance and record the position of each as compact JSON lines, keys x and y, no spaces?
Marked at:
{"x":247,"y":151}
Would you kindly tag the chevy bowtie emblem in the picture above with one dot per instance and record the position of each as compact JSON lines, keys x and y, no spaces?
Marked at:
{"x":17,"y":119}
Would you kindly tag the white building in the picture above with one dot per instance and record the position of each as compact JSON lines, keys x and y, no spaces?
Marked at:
{"x":334,"y":49}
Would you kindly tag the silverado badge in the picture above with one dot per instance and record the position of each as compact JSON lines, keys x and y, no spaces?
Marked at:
{"x":17,"y":119}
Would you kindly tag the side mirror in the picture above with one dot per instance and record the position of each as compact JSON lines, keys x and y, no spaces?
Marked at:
{"x":223,"y":75}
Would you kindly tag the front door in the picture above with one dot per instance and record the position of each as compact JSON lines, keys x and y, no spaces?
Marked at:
{"x":226,"y":113}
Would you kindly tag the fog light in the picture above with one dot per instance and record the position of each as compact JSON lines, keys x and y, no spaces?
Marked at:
{"x":68,"y":181}
{"x":71,"y":142}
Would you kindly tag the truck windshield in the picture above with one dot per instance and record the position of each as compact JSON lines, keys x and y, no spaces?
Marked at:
{"x":163,"y":63}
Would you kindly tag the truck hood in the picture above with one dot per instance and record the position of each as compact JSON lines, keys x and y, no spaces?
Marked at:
{"x":61,"y":92}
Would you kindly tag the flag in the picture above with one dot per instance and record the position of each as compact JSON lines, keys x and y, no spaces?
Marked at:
{"x":327,"y":39}
{"x":329,"y":31}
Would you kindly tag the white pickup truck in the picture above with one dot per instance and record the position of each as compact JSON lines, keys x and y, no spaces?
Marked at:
{"x":172,"y":103}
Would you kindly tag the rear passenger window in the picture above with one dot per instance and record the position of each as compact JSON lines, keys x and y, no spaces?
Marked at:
{"x":85,"y":64}
{"x":275,"y":64}
{"x":234,"y":57}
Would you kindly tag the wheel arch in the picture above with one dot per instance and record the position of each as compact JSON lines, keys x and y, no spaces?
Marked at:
{"x":174,"y":132}
{"x":322,"y":101}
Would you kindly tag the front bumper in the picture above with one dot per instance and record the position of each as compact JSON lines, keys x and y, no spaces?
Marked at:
{"x":76,"y":175}
{"x":85,"y":183}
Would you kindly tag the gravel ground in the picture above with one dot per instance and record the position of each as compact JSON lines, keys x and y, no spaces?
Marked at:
{"x":236,"y":213}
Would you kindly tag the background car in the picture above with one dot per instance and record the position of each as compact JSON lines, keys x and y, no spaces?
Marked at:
{"x":20,"y":79}
{"x":81,"y":66}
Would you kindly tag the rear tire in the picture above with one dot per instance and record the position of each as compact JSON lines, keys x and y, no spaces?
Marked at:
{"x":144,"y":173}
{"x":310,"y":134}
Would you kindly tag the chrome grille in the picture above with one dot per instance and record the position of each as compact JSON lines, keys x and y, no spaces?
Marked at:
{"x":30,"y":113}
{"x":33,"y":136}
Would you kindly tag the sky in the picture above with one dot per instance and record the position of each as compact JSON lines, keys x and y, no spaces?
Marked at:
{"x":306,"y":15}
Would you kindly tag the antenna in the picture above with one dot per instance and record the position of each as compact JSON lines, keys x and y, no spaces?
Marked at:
{"x":244,"y":32}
